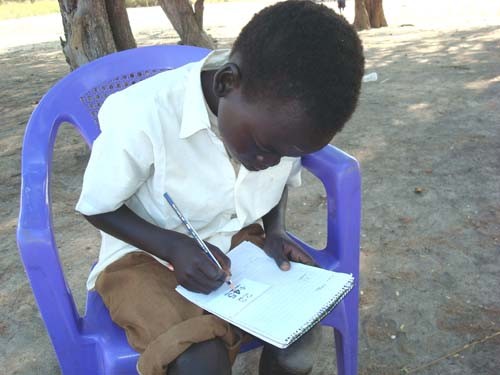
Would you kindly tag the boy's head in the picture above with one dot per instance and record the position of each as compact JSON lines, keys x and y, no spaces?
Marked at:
{"x":292,"y":82}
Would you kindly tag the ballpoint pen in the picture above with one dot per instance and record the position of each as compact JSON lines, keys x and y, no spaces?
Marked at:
{"x":195,"y":235}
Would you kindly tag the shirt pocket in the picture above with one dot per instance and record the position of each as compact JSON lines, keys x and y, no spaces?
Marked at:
{"x":201,"y":203}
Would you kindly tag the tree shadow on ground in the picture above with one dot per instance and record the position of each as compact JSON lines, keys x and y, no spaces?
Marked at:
{"x":427,"y":138}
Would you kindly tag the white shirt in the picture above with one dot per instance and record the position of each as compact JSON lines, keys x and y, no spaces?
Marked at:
{"x":156,"y":138}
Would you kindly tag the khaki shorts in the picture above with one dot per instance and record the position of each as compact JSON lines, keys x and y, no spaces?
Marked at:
{"x":159,"y":323}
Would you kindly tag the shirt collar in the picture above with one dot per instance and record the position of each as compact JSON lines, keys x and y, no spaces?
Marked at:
{"x":194,"y":112}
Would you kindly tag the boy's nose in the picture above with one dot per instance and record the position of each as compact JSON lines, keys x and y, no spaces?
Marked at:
{"x":268,"y":160}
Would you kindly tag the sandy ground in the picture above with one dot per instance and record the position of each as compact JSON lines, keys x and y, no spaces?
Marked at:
{"x":430,"y":261}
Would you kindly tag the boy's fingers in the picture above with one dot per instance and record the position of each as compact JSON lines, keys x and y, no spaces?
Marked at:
{"x":210,"y":279}
{"x":297,"y":254}
{"x":204,"y":287}
{"x":285,"y":266}
{"x":211,"y":270}
{"x":222,"y":258}
{"x":277,"y":251}
{"x":281,"y":260}
{"x":306,"y":259}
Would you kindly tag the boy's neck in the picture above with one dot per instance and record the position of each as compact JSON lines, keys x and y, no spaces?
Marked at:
{"x":207,"y":78}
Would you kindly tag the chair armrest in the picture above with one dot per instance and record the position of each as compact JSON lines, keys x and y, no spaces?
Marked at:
{"x":35,"y":237}
{"x":340,"y":175}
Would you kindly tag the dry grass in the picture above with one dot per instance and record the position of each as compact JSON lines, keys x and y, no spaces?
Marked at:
{"x":10,"y":9}
{"x":19,"y":9}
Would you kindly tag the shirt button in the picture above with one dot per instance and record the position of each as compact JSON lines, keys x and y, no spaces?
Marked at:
{"x":233,"y":216}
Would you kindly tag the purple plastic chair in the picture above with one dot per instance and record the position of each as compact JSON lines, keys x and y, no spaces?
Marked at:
{"x":93,"y":344}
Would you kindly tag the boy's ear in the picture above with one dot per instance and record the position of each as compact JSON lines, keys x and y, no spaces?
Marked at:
{"x":226,"y":78}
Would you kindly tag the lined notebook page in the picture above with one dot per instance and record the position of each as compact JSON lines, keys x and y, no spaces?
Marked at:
{"x":276,"y":306}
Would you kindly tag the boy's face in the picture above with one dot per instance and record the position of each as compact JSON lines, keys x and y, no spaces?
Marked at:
{"x":259,"y":133}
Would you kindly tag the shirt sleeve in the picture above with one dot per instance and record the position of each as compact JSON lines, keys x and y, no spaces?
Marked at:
{"x":295,"y":177}
{"x":121,"y":159}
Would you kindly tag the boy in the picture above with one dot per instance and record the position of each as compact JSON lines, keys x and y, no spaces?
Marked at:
{"x":223,"y":137}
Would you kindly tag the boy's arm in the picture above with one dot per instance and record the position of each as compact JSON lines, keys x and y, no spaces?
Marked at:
{"x":193,"y":269}
{"x":278,"y":244}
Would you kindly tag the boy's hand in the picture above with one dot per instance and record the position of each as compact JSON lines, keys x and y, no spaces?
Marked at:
{"x":192,"y":267}
{"x":282,"y":249}
{"x":195,"y":270}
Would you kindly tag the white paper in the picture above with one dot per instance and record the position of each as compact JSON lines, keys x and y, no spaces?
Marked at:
{"x":271,"y":304}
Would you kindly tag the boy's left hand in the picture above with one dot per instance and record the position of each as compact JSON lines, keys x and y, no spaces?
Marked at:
{"x":282,"y":249}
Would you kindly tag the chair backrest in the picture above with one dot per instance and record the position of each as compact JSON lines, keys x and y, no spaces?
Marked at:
{"x":75,"y":99}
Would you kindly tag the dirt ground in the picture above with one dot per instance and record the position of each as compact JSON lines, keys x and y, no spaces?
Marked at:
{"x":427,"y":134}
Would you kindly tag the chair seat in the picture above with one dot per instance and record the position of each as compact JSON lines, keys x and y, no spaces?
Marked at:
{"x":115,"y":356}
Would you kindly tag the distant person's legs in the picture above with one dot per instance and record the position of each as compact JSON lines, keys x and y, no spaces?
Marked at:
{"x":341,"y":5}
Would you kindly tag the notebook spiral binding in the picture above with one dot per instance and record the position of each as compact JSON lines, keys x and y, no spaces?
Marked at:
{"x":334,"y":301}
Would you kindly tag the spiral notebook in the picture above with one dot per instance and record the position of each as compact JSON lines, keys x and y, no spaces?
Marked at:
{"x":273,"y":305}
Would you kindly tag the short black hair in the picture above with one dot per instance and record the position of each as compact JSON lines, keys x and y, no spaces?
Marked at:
{"x":305,"y":51}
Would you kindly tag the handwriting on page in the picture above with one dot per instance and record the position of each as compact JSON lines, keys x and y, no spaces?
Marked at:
{"x":235,"y":300}
{"x":240,"y":293}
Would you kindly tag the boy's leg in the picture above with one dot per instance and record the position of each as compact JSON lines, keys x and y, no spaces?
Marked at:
{"x":159,"y":323}
{"x":207,"y":358}
{"x":297,"y":359}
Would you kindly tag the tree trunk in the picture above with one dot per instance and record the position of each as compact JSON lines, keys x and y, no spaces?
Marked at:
{"x":376,"y":13}
{"x":187,"y":22}
{"x":90,"y":31}
{"x":361,"y":18}
{"x":198,"y":12}
{"x":369,"y":13}
{"x":120,"y":24}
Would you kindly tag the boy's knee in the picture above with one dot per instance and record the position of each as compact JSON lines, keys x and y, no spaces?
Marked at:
{"x":297,"y":359}
{"x":207,"y":357}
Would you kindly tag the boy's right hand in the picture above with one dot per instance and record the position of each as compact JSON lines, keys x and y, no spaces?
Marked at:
{"x":195,"y":270}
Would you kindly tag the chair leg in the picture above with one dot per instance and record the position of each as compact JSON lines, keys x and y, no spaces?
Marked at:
{"x":346,"y":347}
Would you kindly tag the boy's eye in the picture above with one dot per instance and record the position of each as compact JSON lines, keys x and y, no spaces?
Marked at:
{"x":262,"y":148}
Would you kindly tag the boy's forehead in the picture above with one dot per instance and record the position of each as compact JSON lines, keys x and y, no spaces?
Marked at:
{"x":277,"y":110}
{"x":288,"y":132}
{"x":266,"y":115}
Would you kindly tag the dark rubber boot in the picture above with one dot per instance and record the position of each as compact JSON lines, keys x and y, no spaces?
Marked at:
{"x":205,"y":358}
{"x":297,"y":359}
